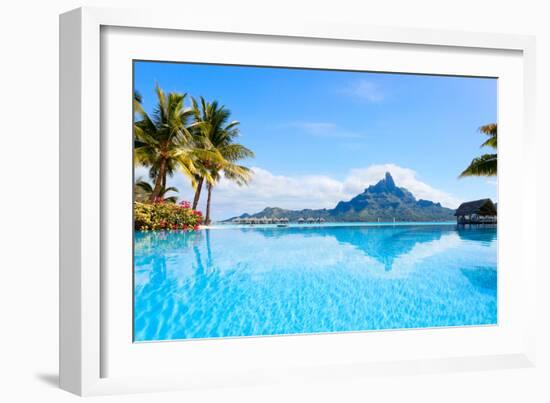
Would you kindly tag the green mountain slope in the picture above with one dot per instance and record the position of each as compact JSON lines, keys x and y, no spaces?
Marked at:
{"x":381,"y":202}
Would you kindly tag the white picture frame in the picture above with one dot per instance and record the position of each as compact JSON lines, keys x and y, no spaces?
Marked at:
{"x":90,"y":343}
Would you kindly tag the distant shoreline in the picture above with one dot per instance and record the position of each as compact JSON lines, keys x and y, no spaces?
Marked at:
{"x":329,"y":224}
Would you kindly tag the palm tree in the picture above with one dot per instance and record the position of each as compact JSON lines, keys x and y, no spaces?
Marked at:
{"x":486,"y":164}
{"x":162,"y":142}
{"x":216,"y":134}
{"x":143,"y":191}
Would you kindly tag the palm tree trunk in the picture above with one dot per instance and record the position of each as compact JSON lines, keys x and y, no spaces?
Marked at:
{"x":158,"y":180}
{"x":197,"y":193}
{"x":207,"y":218}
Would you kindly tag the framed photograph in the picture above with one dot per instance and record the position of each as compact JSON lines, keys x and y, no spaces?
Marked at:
{"x":249,"y":202}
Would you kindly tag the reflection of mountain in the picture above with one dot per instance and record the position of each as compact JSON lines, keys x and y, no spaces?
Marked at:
{"x":381,"y":202}
{"x":382,"y":243}
{"x":386,"y":244}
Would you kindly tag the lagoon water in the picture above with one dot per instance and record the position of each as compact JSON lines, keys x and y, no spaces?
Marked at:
{"x":251,"y":281}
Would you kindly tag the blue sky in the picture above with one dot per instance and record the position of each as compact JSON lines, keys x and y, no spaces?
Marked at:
{"x":330,"y":133}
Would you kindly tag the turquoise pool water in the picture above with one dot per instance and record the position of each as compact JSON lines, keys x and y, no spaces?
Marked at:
{"x":251,"y":281}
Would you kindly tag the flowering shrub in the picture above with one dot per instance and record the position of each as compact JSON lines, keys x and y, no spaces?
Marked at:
{"x":166,"y":216}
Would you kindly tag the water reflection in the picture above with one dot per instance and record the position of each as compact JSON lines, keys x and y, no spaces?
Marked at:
{"x":477,"y":233}
{"x":252,"y":281}
{"x":384,"y":244}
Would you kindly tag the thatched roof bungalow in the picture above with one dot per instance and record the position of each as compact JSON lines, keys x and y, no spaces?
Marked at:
{"x":481,"y":211}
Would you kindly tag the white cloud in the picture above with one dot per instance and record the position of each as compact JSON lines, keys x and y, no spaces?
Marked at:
{"x":364,"y":89}
{"x":325,"y":129}
{"x":298,"y":192}
{"x":358,"y":179}
{"x":315,"y":127}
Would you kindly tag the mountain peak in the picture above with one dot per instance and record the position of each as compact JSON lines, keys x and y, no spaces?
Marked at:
{"x":390,"y":184}
{"x":384,"y":201}
{"x":386,"y":185}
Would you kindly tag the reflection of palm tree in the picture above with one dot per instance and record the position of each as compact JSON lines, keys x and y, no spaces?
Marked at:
{"x":208,"y":248}
{"x":485,"y":165}
{"x":218,"y":136}
{"x":198,"y":259}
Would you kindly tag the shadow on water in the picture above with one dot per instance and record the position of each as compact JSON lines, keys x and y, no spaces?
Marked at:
{"x":484,"y":279}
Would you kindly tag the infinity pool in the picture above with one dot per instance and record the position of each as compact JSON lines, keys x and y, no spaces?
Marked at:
{"x":233,"y":281}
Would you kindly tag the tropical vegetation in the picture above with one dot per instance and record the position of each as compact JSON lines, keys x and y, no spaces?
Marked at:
{"x":143,"y":191}
{"x":160,"y":215}
{"x":221,"y":153}
{"x":486,"y":164}
{"x":198,"y":141}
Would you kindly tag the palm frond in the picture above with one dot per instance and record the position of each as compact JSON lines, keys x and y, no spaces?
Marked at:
{"x":485,"y":165}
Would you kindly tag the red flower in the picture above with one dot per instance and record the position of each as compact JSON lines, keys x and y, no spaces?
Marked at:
{"x":196,"y":227}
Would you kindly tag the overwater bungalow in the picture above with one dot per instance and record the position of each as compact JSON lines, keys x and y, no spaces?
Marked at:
{"x":301,"y":220}
{"x":310,"y":220}
{"x":481,"y":211}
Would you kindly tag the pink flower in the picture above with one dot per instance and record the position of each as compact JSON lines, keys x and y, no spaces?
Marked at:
{"x":185,"y":204}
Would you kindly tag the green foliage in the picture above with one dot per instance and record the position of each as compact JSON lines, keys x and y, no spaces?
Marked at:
{"x":486,"y":164}
{"x":196,"y":141}
{"x":165,"y":216}
{"x":143,"y":191}
{"x":381,"y":202}
{"x":215,"y":136}
{"x":162,"y":141}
